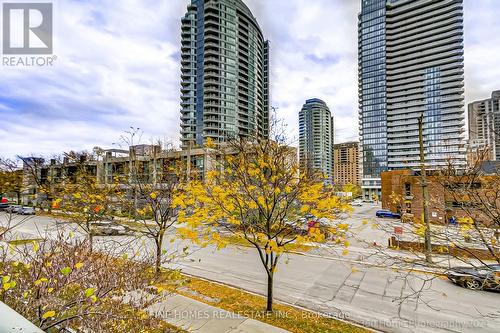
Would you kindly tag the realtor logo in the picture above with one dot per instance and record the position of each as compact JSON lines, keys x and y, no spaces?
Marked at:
{"x":27,"y":28}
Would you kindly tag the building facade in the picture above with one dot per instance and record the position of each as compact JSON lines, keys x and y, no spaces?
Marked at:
{"x":346,"y":163}
{"x":484,"y":125}
{"x":402,"y":193}
{"x":150,"y":163}
{"x":225,"y":73}
{"x":316,"y":136}
{"x":411,"y":63}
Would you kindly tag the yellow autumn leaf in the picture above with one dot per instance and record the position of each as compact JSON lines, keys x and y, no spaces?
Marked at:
{"x":78,"y":265}
{"x":48,"y":314}
{"x":89,"y":292}
{"x":345,"y":252}
{"x":39,"y":281}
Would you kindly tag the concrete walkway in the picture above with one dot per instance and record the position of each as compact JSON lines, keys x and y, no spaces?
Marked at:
{"x":195,"y":316}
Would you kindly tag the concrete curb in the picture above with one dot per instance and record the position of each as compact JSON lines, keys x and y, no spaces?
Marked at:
{"x":282,"y":302}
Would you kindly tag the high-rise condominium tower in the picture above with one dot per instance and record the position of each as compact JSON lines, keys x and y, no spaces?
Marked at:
{"x":316,"y":137}
{"x":346,"y":163}
{"x":225,"y":66}
{"x":484,"y":124}
{"x":411,"y":63}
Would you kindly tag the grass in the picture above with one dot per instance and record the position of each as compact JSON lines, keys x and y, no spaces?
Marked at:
{"x":19,"y":242}
{"x":125,"y":221}
{"x":250,"y":305}
{"x":241,"y":241}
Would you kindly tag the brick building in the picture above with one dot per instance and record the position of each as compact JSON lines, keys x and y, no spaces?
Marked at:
{"x":346,"y":163}
{"x":402,"y":193}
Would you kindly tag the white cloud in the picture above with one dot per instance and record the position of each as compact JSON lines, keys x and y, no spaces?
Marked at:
{"x":117,"y":66}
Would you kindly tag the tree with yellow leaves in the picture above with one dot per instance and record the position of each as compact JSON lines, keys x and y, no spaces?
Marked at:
{"x":352,"y":188}
{"x":155,"y":209}
{"x":84,"y":201}
{"x":154,"y":181}
{"x":44,"y":187}
{"x":11,"y":178}
{"x":257,"y":192}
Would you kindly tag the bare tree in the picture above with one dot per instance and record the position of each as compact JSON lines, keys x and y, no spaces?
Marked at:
{"x":475,"y":191}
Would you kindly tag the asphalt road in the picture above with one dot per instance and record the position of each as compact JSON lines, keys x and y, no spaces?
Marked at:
{"x":376,"y":297}
{"x":379,"y":298}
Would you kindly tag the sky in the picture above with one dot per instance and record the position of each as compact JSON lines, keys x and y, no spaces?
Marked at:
{"x":118,"y":65}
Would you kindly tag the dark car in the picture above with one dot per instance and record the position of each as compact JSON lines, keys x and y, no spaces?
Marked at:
{"x":4,"y":205}
{"x":388,"y":214}
{"x":476,"y":278}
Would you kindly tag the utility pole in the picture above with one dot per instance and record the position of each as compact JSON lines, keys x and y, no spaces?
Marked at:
{"x":188,"y":166}
{"x":425,"y":191}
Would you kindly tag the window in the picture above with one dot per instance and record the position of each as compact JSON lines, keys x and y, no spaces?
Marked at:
{"x":408,"y":207}
{"x":407,"y":189}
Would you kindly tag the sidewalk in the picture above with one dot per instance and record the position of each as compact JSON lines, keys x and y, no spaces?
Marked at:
{"x":195,"y":316}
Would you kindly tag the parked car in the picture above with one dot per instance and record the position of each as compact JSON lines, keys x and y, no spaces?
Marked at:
{"x":109,"y":228}
{"x":27,"y":211}
{"x":14,"y":209}
{"x":357,"y":203}
{"x":4,"y":205}
{"x":388,"y":214}
{"x":476,"y":278}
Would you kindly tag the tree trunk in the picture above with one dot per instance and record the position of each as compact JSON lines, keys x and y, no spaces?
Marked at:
{"x":159,"y":242}
{"x":91,"y":242}
{"x":269,"y":307}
